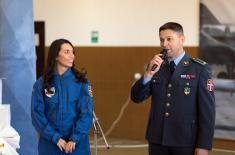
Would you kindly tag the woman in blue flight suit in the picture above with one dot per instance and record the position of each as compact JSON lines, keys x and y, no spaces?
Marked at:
{"x":62,"y":104}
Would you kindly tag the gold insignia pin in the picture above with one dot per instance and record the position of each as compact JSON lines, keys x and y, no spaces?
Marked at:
{"x":185,"y":63}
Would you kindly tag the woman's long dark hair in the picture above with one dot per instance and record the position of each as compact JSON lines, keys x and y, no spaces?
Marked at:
{"x":51,"y":64}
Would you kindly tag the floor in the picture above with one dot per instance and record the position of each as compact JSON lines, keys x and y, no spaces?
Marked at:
{"x":142,"y":151}
{"x":130,"y":147}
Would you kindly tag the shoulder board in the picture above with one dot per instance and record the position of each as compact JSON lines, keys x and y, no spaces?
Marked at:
{"x":199,"y":61}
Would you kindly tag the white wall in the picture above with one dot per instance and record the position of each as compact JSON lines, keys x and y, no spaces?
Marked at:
{"x":119,"y":22}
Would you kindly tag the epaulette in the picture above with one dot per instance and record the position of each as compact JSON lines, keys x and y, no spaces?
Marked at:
{"x":199,"y":61}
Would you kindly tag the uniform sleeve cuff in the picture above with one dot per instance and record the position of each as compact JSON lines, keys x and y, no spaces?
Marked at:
{"x":56,"y":138}
{"x":75,"y":138}
{"x":146,"y":80}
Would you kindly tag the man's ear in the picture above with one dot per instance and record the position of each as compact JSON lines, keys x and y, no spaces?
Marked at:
{"x":182,"y":38}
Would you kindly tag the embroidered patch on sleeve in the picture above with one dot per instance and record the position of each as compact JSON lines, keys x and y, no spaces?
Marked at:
{"x":210,"y":85}
{"x":50,"y":94}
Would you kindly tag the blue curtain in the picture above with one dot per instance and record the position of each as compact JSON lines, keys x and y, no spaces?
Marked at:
{"x":17,"y":65}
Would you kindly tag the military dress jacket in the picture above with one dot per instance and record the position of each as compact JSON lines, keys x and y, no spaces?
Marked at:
{"x":65,"y":113}
{"x":182,"y":110}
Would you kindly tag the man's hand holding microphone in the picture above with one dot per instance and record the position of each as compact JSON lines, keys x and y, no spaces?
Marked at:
{"x":155,"y":63}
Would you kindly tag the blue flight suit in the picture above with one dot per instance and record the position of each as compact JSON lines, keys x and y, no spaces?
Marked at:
{"x":182,"y":110}
{"x":66,"y":114}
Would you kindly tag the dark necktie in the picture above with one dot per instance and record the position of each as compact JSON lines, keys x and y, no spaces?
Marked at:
{"x":172,"y":66}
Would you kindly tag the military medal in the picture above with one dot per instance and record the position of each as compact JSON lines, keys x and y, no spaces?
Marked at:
{"x":186,"y":90}
{"x":187,"y":76}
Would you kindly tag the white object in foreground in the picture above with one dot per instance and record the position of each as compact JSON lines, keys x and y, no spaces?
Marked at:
{"x":9,"y":138}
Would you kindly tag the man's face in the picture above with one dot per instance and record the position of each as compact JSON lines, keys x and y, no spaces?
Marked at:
{"x":173,"y":42}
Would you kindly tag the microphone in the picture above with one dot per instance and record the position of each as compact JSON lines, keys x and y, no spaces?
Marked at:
{"x":163,"y":56}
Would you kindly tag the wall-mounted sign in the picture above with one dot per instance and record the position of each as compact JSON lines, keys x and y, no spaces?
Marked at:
{"x":94,"y":36}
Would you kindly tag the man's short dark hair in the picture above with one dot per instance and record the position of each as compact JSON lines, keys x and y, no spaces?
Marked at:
{"x":172,"y":26}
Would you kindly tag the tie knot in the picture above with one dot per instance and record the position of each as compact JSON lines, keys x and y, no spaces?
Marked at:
{"x":172,"y":66}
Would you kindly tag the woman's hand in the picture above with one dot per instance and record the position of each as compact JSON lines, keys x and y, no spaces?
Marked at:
{"x":70,"y":146}
{"x":61,"y":144}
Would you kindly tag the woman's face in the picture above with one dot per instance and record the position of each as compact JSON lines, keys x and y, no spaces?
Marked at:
{"x":66,"y":56}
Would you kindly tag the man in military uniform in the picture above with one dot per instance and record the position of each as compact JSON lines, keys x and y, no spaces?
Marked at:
{"x":182,"y":114}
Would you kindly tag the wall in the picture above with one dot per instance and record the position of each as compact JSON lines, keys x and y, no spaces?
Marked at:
{"x":119,"y":22}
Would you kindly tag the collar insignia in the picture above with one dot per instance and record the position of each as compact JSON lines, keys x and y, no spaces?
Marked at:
{"x":185,"y":63}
